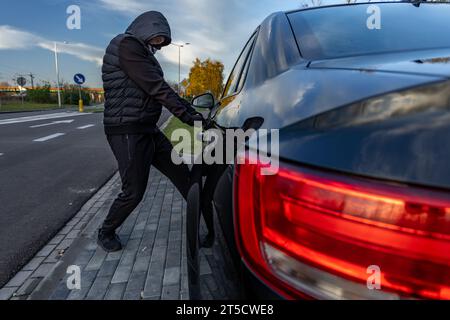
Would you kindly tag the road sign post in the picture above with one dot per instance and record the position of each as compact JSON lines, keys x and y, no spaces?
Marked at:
{"x":80,"y":79}
{"x":21,"y":81}
{"x":80,"y":100}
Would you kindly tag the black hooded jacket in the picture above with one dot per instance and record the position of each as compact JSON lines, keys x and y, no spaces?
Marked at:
{"x":135,"y":89}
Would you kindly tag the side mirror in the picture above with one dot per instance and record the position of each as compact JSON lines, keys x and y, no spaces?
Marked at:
{"x":253,"y":123}
{"x":204,"y":101}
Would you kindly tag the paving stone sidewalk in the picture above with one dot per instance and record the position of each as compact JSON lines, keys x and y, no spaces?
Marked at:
{"x":152,"y":264}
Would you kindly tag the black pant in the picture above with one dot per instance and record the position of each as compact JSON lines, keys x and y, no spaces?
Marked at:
{"x":135,"y":153}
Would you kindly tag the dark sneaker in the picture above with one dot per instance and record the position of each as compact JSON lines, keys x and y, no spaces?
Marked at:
{"x":110,"y":242}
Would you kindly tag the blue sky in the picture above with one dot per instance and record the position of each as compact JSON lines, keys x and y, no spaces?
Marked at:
{"x":215,"y":28}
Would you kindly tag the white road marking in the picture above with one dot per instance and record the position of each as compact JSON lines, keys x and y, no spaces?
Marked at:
{"x":1,"y":154}
{"x":86,"y":126}
{"x":42,"y":117}
{"x":52,"y":123}
{"x":53,"y":136}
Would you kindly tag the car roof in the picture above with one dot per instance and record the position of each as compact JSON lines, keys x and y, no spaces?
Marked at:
{"x":339,"y":3}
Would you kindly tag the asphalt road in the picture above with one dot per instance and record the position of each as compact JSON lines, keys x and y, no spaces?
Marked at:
{"x":51,"y":163}
{"x":47,"y":172}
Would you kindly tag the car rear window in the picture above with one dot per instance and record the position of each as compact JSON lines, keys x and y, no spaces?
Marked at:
{"x":342,"y":31}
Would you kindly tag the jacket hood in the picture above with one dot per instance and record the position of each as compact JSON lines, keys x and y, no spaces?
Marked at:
{"x":149,"y":25}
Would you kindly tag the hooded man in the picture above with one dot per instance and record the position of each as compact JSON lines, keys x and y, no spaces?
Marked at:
{"x":135,"y":92}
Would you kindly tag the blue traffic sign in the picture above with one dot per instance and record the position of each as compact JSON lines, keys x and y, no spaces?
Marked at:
{"x":79,"y":79}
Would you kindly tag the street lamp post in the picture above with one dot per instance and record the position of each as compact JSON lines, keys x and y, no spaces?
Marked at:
{"x":57,"y":76}
{"x":179,"y":63}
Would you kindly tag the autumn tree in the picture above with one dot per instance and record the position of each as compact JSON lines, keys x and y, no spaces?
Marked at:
{"x":205,"y":76}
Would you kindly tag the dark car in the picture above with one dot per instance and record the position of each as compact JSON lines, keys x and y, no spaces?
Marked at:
{"x":360,"y":205}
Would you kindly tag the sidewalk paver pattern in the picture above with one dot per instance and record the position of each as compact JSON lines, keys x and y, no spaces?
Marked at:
{"x":152,"y":264}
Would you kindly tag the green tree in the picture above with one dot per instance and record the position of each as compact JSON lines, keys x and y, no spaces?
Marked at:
{"x":71,"y":95}
{"x":40,"y":94}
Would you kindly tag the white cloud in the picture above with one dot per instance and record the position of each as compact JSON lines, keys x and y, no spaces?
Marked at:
{"x":13,"y":39}
{"x":79,"y":50}
{"x":215,"y":29}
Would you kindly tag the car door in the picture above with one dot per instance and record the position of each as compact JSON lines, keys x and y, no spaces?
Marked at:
{"x":204,"y":177}
{"x":228,"y":106}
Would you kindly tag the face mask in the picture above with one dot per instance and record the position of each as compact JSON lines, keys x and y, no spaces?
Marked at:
{"x":153,"y":49}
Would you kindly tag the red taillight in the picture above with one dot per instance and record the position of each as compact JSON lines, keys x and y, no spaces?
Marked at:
{"x":316,"y":233}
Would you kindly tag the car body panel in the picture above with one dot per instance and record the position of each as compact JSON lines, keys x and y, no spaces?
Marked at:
{"x":403,"y":145}
{"x":426,"y":62}
{"x":294,"y":95}
{"x":300,"y":93}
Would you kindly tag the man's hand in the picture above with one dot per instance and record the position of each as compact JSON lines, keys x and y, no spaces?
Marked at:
{"x":191,"y":118}
{"x":198,"y":117}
